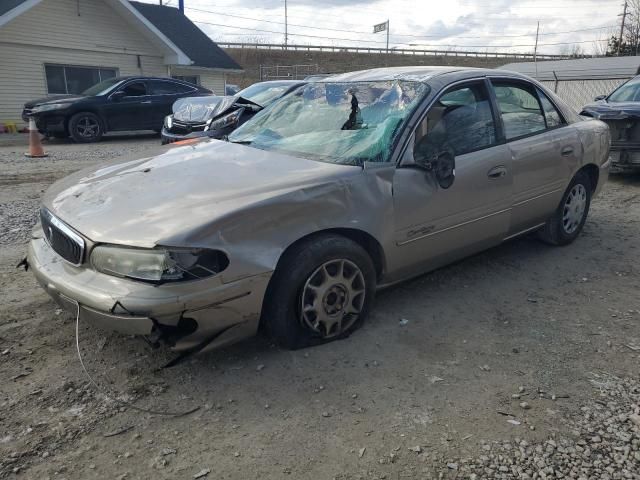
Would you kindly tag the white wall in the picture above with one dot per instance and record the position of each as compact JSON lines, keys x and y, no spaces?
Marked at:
{"x":214,"y":81}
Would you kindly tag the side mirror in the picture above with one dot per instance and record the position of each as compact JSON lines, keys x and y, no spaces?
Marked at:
{"x":442,"y":164}
{"x":600,"y":97}
{"x":445,"y":169}
{"x":117,"y":96}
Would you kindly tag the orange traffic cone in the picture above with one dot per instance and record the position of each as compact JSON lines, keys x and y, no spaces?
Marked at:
{"x":35,"y":146}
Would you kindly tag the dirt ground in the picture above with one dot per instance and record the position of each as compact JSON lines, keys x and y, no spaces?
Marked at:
{"x":432,"y":380}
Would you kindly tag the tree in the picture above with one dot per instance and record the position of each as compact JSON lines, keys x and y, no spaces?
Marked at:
{"x":572,"y":51}
{"x":630,"y":36}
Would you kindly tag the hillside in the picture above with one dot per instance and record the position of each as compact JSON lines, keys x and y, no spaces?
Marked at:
{"x":336,"y":62}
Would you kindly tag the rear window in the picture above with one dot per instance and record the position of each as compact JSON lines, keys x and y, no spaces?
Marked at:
{"x":162,"y":87}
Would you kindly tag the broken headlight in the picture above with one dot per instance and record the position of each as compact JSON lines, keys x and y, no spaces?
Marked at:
{"x":226,"y":121}
{"x":158,"y":264}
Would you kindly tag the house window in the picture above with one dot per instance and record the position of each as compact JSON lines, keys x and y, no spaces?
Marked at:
{"x":69,"y":79}
{"x":193,"y":79}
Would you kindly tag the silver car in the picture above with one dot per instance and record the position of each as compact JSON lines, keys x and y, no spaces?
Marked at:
{"x":347,"y":185}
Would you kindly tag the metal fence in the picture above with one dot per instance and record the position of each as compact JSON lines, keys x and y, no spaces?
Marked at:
{"x":391,"y":51}
{"x":578,"y":92}
{"x":287,"y":72}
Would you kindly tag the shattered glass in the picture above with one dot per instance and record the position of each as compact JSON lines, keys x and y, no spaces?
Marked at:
{"x":347,"y":123}
{"x":201,"y":109}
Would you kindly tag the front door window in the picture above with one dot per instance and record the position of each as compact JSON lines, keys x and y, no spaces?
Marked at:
{"x":459,"y":122}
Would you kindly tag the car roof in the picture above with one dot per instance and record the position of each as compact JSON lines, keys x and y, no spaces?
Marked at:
{"x":140,"y":77}
{"x":414,"y":74}
{"x":280,"y":82}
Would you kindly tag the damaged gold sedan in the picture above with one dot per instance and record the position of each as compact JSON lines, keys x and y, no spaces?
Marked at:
{"x":344,"y":186}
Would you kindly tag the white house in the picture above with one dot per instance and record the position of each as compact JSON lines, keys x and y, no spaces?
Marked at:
{"x":65,"y":46}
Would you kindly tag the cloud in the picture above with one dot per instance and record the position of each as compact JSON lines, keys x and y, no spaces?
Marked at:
{"x":440,"y":30}
{"x":504,"y":25}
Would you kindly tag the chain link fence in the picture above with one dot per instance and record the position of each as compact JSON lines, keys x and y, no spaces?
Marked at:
{"x":287,"y":72}
{"x":578,"y":92}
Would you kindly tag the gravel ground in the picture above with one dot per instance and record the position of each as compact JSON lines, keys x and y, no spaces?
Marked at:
{"x":518,"y":363}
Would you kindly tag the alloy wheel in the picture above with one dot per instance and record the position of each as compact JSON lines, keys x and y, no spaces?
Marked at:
{"x":87,"y":127}
{"x":333,"y":298}
{"x":574,"y":208}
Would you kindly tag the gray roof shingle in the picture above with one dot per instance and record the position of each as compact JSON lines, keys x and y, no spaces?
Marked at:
{"x":6,"y":5}
{"x":187,"y":36}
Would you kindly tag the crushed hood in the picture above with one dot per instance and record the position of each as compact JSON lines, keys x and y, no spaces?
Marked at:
{"x":613,"y":111}
{"x":144,"y":202}
{"x":201,"y":109}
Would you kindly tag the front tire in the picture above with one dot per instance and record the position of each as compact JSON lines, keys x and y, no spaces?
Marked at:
{"x":321,"y":291}
{"x":566,"y":223}
{"x":85,"y":127}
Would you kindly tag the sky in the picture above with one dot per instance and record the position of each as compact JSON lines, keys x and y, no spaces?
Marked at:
{"x":477,"y":25}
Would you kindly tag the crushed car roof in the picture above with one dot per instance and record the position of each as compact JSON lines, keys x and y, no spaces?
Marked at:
{"x":415,"y":74}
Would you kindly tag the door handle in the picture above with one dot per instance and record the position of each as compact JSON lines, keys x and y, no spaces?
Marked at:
{"x":145,"y":102}
{"x":566,"y":151}
{"x":497,"y":172}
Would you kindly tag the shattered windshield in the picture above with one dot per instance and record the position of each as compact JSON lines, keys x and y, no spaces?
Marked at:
{"x":346,"y":123}
{"x":264,"y":93}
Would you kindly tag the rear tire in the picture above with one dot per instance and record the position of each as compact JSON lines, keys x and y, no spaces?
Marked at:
{"x":566,"y":223}
{"x":85,"y":127}
{"x":321,"y":291}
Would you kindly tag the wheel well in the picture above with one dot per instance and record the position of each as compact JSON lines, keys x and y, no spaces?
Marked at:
{"x":594,"y":173}
{"x":362,"y":238}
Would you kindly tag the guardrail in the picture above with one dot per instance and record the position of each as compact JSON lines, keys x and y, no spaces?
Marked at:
{"x":391,"y":51}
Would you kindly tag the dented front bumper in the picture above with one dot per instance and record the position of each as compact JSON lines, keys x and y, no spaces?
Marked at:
{"x":186,"y":315}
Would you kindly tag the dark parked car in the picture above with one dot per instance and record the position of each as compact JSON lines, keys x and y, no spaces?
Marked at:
{"x":621,"y":111}
{"x":216,"y":117}
{"x":115,"y":104}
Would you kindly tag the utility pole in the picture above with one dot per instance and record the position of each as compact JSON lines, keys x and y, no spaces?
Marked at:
{"x":286,"y":26}
{"x":624,"y":17}
{"x":535,"y":49}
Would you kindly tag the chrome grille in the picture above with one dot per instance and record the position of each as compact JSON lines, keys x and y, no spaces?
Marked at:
{"x":62,"y":239}
{"x":183,"y":128}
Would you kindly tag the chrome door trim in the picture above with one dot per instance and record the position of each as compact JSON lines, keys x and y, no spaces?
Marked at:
{"x":526,"y":230}
{"x":399,"y":244}
{"x":537,"y":197}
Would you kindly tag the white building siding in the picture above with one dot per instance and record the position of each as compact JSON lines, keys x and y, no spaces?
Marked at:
{"x":78,"y":33}
{"x":22,"y":76}
{"x":214,"y":81}
{"x":90,"y":25}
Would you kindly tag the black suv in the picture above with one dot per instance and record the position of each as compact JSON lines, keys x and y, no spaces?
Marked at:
{"x":115,"y":104}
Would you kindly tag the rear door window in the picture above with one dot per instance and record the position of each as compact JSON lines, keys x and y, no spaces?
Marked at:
{"x":551,"y":113}
{"x":165,"y":87}
{"x":135,"y":89}
{"x":520,"y":109}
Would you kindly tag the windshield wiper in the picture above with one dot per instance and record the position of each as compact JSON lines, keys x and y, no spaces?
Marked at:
{"x":240,"y":142}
